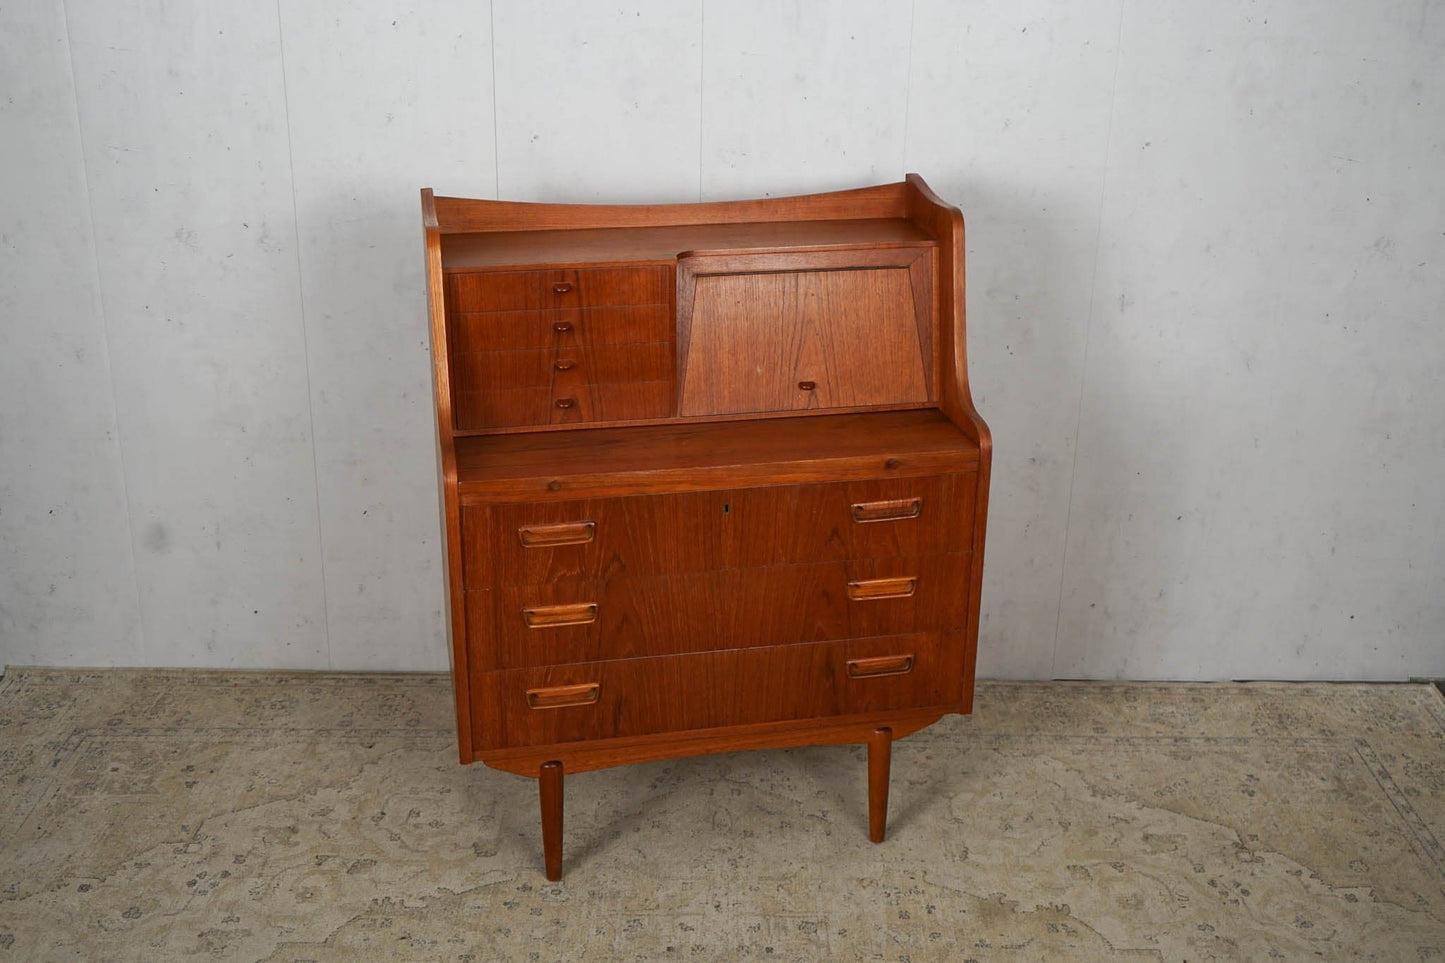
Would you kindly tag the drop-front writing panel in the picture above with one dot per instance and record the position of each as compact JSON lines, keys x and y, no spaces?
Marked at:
{"x":805,"y":331}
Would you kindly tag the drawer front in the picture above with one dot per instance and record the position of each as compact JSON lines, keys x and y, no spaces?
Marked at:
{"x":560,"y":328}
{"x":699,"y":531}
{"x":538,"y":290}
{"x":626,"y":618}
{"x":646,"y":535}
{"x":599,"y":700}
{"x":870,"y":519}
{"x":562,"y":367}
{"x":562,"y":404}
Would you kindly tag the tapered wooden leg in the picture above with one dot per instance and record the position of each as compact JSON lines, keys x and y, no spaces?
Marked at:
{"x":880,"y":755}
{"x":549,"y":785}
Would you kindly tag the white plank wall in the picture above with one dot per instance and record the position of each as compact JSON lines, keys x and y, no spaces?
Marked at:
{"x":1028,"y":172}
{"x":360,"y":153}
{"x":598,"y":102}
{"x":1262,"y":438}
{"x":1206,"y":267}
{"x":804,"y":95}
{"x":67,"y":579}
{"x":183,"y":116}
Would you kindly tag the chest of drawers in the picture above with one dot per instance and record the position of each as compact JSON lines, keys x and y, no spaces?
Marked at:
{"x":711,"y":478}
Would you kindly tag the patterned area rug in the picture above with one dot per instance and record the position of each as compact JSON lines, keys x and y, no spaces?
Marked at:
{"x":150,"y":815}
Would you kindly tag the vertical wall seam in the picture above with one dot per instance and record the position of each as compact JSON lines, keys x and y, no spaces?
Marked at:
{"x":701,"y":80}
{"x":305,"y":341}
{"x":496,"y":144}
{"x":908,"y":85}
{"x":1088,"y":331}
{"x":99,"y":304}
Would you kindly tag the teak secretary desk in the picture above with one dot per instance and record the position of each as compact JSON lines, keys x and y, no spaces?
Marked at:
{"x":711,"y":477}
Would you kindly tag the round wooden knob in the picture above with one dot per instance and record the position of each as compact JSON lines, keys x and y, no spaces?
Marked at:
{"x":565,"y":402}
{"x":565,"y":365}
{"x":807,"y":385}
{"x":562,"y":327}
{"x":562,"y":288}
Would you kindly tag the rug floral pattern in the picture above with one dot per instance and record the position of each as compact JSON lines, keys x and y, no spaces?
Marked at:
{"x":157,"y":815}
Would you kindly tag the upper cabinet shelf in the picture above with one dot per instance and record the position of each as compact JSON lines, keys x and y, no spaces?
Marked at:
{"x":627,"y":245}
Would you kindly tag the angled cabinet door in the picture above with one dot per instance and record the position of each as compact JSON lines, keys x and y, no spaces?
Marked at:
{"x":802,"y":330}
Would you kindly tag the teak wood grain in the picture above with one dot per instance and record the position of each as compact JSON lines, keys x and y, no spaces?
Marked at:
{"x":711,"y":477}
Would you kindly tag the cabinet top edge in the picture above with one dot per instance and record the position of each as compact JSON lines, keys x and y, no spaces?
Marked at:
{"x":454,"y":215}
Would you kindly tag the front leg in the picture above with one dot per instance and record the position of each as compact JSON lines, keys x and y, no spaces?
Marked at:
{"x":880,"y":753}
{"x":549,"y":787}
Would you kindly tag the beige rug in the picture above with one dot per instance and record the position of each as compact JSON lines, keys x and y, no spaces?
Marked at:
{"x":237,"y":816}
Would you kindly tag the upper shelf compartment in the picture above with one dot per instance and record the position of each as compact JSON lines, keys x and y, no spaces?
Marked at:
{"x":848,"y":301}
{"x":660,"y":244}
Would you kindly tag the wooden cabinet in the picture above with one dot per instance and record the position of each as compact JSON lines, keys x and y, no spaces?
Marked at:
{"x":711,"y":477}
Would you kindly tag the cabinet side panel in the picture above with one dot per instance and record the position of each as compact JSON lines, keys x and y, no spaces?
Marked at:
{"x":945,"y":223}
{"x":451,"y":524}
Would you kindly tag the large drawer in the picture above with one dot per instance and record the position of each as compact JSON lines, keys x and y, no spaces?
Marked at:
{"x":632,"y":697}
{"x":559,"y":329}
{"x":542,"y":543}
{"x":553,"y":288}
{"x":628,"y":617}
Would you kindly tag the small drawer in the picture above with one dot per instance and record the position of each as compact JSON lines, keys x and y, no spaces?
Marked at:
{"x":561,"y":404}
{"x":633,"y":697}
{"x":562,"y":327}
{"x":623,"y":618}
{"x":577,"y":364}
{"x":537,"y":290}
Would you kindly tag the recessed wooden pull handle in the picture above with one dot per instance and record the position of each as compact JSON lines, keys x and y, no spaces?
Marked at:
{"x":807,"y":385}
{"x":561,"y":533}
{"x":562,"y":327}
{"x":882,"y":588}
{"x":553,"y":616}
{"x":565,"y":365}
{"x":887,"y":511}
{"x":562,"y":287}
{"x":880,"y":665}
{"x":565,"y":402}
{"x":559,"y":696}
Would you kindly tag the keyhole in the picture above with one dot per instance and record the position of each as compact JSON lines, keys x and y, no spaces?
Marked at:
{"x":727,"y":508}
